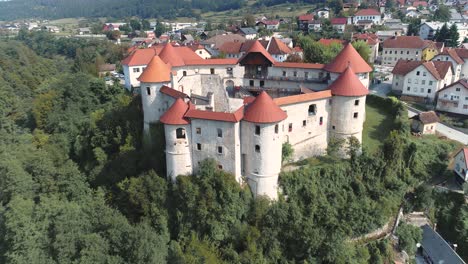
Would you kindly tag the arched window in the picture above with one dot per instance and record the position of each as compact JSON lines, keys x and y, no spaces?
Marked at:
{"x":180,"y":133}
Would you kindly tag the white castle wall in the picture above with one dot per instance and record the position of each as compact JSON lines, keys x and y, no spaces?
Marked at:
{"x":209,"y":140}
{"x":363,"y":77}
{"x":343,"y":124}
{"x":154,"y":103}
{"x":311,"y":139}
{"x":261,"y":167}
{"x":178,"y":156}
{"x":222,"y":70}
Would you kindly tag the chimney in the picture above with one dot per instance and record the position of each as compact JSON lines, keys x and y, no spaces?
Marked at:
{"x":454,"y":246}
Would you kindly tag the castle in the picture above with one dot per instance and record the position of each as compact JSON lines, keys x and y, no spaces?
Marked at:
{"x":241,"y":111}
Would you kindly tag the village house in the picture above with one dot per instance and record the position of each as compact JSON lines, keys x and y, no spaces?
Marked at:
{"x":367,"y":15}
{"x":454,"y":98}
{"x":339,"y":23}
{"x":420,"y":80}
{"x":201,"y":51}
{"x":315,"y":26}
{"x":463,"y":53}
{"x":372,"y":40}
{"x":424,"y":123}
{"x":268,"y":24}
{"x":428,"y":29}
{"x":248,"y":33}
{"x":450,"y":54}
{"x":403,"y":48}
{"x":304,"y":21}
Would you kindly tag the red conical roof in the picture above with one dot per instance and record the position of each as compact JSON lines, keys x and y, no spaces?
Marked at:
{"x":348,"y":84}
{"x":170,"y":56}
{"x":175,"y":114}
{"x":264,"y":110}
{"x":257,"y":47}
{"x":348,"y":56}
{"x":156,"y":72}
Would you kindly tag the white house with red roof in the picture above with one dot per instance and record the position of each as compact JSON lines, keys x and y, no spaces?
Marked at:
{"x":461,"y":164}
{"x":454,"y":98}
{"x":450,"y":54}
{"x":241,"y":112}
{"x":369,"y":14}
{"x":339,"y":23}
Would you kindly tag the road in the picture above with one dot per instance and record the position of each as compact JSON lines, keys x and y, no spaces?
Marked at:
{"x":384,"y":88}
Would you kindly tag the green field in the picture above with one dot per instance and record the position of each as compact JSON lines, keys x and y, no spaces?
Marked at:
{"x":377,"y":126}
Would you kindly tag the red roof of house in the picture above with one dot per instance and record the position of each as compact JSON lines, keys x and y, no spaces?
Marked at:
{"x":257,"y":47}
{"x":278,"y":47}
{"x":348,"y":56}
{"x":216,"y":116}
{"x":420,"y":3}
{"x":172,"y":92}
{"x":264,"y":110}
{"x":175,"y":114}
{"x":369,"y":38}
{"x":367,"y":12}
{"x":300,"y":65}
{"x":156,"y":72}
{"x":438,"y":69}
{"x":339,"y":21}
{"x":139,"y":57}
{"x":463,"y":53}
{"x":404,"y":42}
{"x":306,"y":17}
{"x":231,"y":47}
{"x":270,"y":22}
{"x":328,"y":42}
{"x":348,"y":84}
{"x":453,"y":54}
{"x":310,"y":96}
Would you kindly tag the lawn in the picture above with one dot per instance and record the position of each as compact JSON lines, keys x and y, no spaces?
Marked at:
{"x":377,"y":126}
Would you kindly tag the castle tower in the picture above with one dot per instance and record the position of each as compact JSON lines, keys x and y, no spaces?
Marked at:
{"x":156,"y":75}
{"x":261,"y":138}
{"x":348,"y":106}
{"x":178,"y":138}
{"x":349,"y":56}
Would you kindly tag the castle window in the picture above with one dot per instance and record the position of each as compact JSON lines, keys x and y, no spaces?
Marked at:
{"x":148,"y":91}
{"x":276,"y":129}
{"x":220,"y":132}
{"x":304,"y":123}
{"x":355,"y":115}
{"x":312,"y":109}
{"x":198,"y":146}
{"x":180,"y":133}
{"x":198,"y":130}
{"x":321,"y":120}
{"x":220,"y":150}
{"x":257,"y":148}
{"x":356,"y":102}
{"x":257,"y":130}
{"x":290,"y":127}
{"x":212,"y":71}
{"x":229,"y":70}
{"x":184,"y":73}
{"x":333,"y":127}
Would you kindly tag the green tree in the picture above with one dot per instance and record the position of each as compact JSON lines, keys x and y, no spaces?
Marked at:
{"x":363,"y":49}
{"x":336,"y":6}
{"x":135,"y":24}
{"x":145,"y":24}
{"x":442,"y":14}
{"x":408,"y":237}
{"x":413,"y":26}
{"x":286,"y":152}
{"x":454,"y":36}
{"x":159,"y":29}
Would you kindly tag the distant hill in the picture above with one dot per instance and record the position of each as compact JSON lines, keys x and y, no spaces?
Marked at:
{"x":52,"y":9}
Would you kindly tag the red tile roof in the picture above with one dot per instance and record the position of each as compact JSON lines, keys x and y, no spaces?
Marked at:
{"x":442,"y":68}
{"x":216,"y":116}
{"x":463,"y":82}
{"x":404,"y":42}
{"x":339,"y":21}
{"x":367,"y":12}
{"x":156,"y":72}
{"x":453,"y":54}
{"x":369,"y":38}
{"x":264,"y":110}
{"x":294,"y":99}
{"x":277,"y":47}
{"x":270,"y":22}
{"x":420,"y":3}
{"x":427,"y":117}
{"x":139,"y":57}
{"x":175,"y":114}
{"x":462,"y":53}
{"x":172,"y":92}
{"x":299,"y":65}
{"x":231,"y":47}
{"x":328,"y":42}
{"x":403,"y":67}
{"x":348,"y":84}
{"x":170,"y":56}
{"x":212,"y":62}
{"x":438,"y":69}
{"x":258,"y":48}
{"x":348,"y":56}
{"x":306,"y":17}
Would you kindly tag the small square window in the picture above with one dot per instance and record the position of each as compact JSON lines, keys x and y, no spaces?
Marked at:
{"x":355,"y":115}
{"x":257,"y":130}
{"x":219,"y":132}
{"x":257,"y":148}
{"x":220,"y":166}
{"x":212,"y":71}
{"x":220,"y":150}
{"x":198,"y":130}
{"x":198,"y":146}
{"x":304,"y":123}
{"x":290,"y":127}
{"x":428,"y":90}
{"x":356,"y":102}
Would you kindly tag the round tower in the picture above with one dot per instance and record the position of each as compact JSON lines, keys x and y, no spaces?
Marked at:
{"x":156,"y":75}
{"x":261,"y":139}
{"x":348,"y":106}
{"x":178,"y":138}
{"x":349,"y":56}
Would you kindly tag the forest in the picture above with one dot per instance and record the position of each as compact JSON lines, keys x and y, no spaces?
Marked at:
{"x":77,"y":185}
{"x":53,"y":9}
